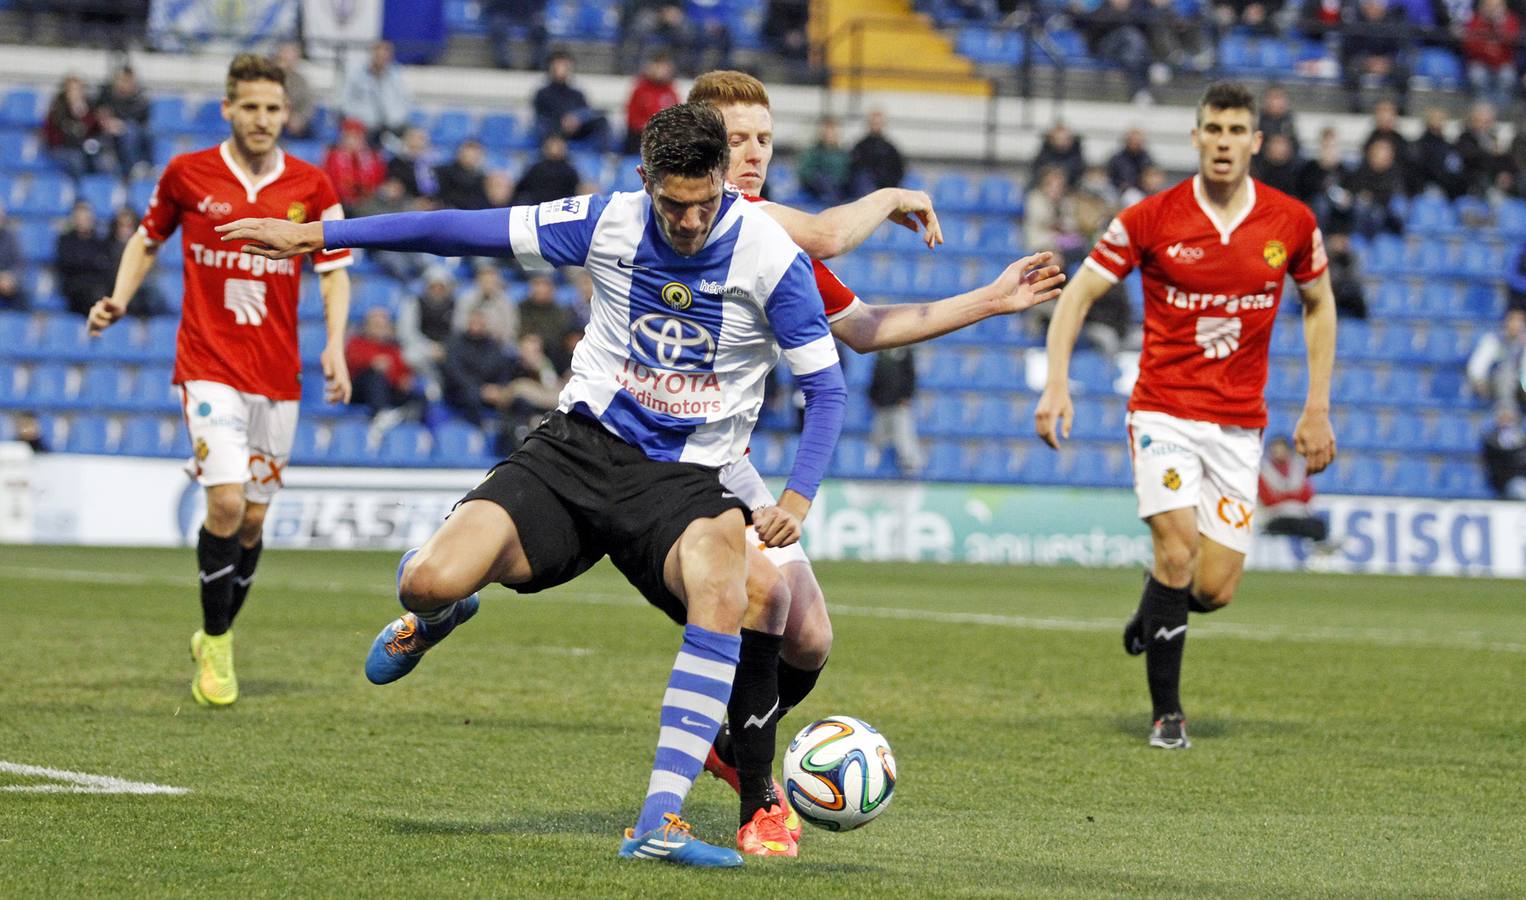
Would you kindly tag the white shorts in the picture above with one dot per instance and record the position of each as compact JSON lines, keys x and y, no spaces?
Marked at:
{"x":238,"y":438}
{"x":742,"y":479}
{"x":1180,"y":463}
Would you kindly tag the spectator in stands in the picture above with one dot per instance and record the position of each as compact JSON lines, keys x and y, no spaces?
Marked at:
{"x":354,"y":166}
{"x":72,"y":132}
{"x":533,"y":389}
{"x":301,"y":102}
{"x":784,"y":27}
{"x":1129,"y":163}
{"x":582,"y":295}
{"x":475,"y":370}
{"x":504,"y":18}
{"x":29,"y":431}
{"x":892,"y":388}
{"x":1496,"y":368}
{"x":1385,"y":127}
{"x":823,"y":169}
{"x":1152,"y":180}
{"x":1321,"y":185}
{"x":1178,"y":41}
{"x":381,"y":377}
{"x":149,"y":301}
{"x":1096,"y":200}
{"x":875,"y":161}
{"x":1277,"y":117}
{"x":711,"y":29}
{"x":562,"y":109}
{"x":652,"y":93}
{"x":414,"y":164}
{"x":121,"y":107}
{"x":1488,"y":166}
{"x":1285,"y":492}
{"x":1276,"y":165}
{"x":1345,"y":277}
{"x":1061,"y":149}
{"x":550,"y":178}
{"x":1251,"y":15}
{"x":1049,"y":218}
{"x":489,"y":295}
{"x":374,"y":94}
{"x":1373,"y":187}
{"x":424,"y":324}
{"x":1515,"y":281}
{"x":540,"y":314}
{"x":499,"y":189}
{"x":13,"y":293}
{"x":646,"y":25}
{"x":461,"y":181}
{"x":1504,"y":456}
{"x":1114,"y":33}
{"x":1490,"y":42}
{"x":1375,"y":45}
{"x":1437,"y":160}
{"x":84,"y":260}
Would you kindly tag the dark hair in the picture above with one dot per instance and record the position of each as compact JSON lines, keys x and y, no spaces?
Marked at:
{"x":688,"y":140}
{"x":253,"y":67}
{"x":1227,"y":95}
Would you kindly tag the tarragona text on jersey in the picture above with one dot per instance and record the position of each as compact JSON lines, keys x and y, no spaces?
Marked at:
{"x":238,"y":320}
{"x":1211,"y":292}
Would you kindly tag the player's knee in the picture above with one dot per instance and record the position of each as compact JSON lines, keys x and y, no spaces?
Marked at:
{"x":1214,"y":596}
{"x":810,"y":646}
{"x":1174,"y":560}
{"x":767,"y":592}
{"x":225,"y":511}
{"x":427,"y":583}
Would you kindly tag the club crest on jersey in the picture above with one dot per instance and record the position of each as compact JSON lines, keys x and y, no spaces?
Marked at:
{"x":297,"y":212}
{"x":201,"y":450}
{"x":677,"y":296}
{"x":1172,"y":480}
{"x":1275,"y":254}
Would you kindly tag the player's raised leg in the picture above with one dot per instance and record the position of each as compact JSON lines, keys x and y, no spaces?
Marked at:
{"x":437,"y":584}
{"x":707,"y":570}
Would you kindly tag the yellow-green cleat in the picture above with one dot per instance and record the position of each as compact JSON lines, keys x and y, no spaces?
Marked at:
{"x":214,"y":684}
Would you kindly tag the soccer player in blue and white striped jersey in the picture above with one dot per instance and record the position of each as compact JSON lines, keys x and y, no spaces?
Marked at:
{"x":696,"y":295}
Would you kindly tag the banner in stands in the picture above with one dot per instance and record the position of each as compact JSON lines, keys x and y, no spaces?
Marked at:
{"x":113,"y":500}
{"x":179,"y":25}
{"x":330,"y":25}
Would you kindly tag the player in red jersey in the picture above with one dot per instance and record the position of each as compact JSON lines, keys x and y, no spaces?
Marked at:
{"x":236,"y":360}
{"x":1214,"y":252}
{"x":787,"y":633}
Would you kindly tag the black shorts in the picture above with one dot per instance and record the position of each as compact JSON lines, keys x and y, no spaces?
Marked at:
{"x":576,"y":492}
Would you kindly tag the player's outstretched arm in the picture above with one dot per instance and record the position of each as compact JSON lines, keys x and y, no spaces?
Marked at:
{"x":444,"y":232}
{"x":1313,"y":436}
{"x":334,"y":285}
{"x":1052,"y":418}
{"x":835,"y":231}
{"x":826,"y":402}
{"x":137,"y":260}
{"x":1024,"y":285}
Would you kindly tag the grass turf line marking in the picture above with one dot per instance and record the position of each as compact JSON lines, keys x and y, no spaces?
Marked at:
{"x":79,"y":782}
{"x":1382,"y":637}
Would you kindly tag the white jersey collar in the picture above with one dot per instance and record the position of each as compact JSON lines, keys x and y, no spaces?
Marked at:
{"x":1202,"y":202}
{"x":252,"y":188}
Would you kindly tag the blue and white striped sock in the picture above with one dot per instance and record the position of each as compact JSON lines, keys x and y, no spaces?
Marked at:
{"x":692,"y":710}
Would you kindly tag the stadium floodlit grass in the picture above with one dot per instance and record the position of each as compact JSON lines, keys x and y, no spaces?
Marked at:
{"x":1352,"y":736}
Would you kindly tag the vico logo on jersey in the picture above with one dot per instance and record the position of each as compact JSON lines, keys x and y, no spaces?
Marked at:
{"x":214,"y":209}
{"x":1184,"y":254}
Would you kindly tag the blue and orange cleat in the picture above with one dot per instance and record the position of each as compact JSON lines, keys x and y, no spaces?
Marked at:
{"x":674,"y":841}
{"x":400,"y":646}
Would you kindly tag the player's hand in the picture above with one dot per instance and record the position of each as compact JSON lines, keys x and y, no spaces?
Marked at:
{"x":1028,"y":282}
{"x":336,"y":374}
{"x":914,"y":210}
{"x":776,"y":527}
{"x":274,"y":238}
{"x":1054,"y":414}
{"x":103,"y":315}
{"x":1314,"y":439}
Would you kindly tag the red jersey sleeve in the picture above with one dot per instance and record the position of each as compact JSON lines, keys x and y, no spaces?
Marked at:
{"x":325,"y":198}
{"x":163,"y":214}
{"x":1308,"y":261}
{"x":837,"y":297}
{"x":1116,"y":253}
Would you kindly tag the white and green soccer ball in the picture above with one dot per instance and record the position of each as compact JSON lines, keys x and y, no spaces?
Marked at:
{"x":839,"y":773}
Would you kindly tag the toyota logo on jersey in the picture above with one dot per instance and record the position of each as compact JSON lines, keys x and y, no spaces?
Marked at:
{"x":671,"y":342}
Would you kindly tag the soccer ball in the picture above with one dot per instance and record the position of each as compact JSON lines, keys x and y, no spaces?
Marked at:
{"x":839,"y":773}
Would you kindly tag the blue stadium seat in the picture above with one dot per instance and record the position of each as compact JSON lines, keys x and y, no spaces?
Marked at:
{"x":62,"y":338}
{"x":103,"y":192}
{"x":105,"y":386}
{"x":38,"y":241}
{"x":1411,"y":477}
{"x":1001,"y":236}
{"x":347,"y":444}
{"x":159,"y":339}
{"x":404,"y":445}
{"x":304,"y":448}
{"x":1512,"y":218}
{"x":88,"y":434}
{"x":1440,"y":66}
{"x":166,"y":114}
{"x":461,"y":445}
{"x":451,"y":127}
{"x":20,"y":109}
{"x":138,"y":194}
{"x":1484,"y":301}
{"x":956,"y":192}
{"x":14,"y":328}
{"x":1429,"y":214}
{"x":1403,"y":430}
{"x":48,"y":386}
{"x":1000,"y":194}
{"x":11,"y":393}
{"x":1385,"y":255}
{"x":49,"y":194}
{"x":1444,"y":345}
{"x":1482,"y":259}
{"x":143,"y":436}
{"x":500,"y":131}
{"x":1358,"y":429}
{"x":849,"y":459}
{"x":1464,"y":481}
{"x":14,"y":150}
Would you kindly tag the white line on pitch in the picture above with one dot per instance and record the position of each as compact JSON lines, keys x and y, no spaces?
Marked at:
{"x":1383,"y":637}
{"x":79,"y":782}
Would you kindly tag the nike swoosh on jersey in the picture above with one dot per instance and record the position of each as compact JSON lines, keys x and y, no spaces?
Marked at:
{"x":632,"y":266}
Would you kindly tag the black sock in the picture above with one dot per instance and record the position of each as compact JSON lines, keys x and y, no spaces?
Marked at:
{"x":752,"y":712}
{"x":723,"y":745}
{"x":795,"y":684}
{"x":217,"y":558}
{"x":243,"y":578}
{"x":1164,"y":612}
{"x":1199,"y":605}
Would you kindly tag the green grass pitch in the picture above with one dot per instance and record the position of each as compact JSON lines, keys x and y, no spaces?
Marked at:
{"x":1353,"y":737}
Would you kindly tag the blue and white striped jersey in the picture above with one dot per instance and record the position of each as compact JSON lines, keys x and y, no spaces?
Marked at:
{"x":677,"y":348}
